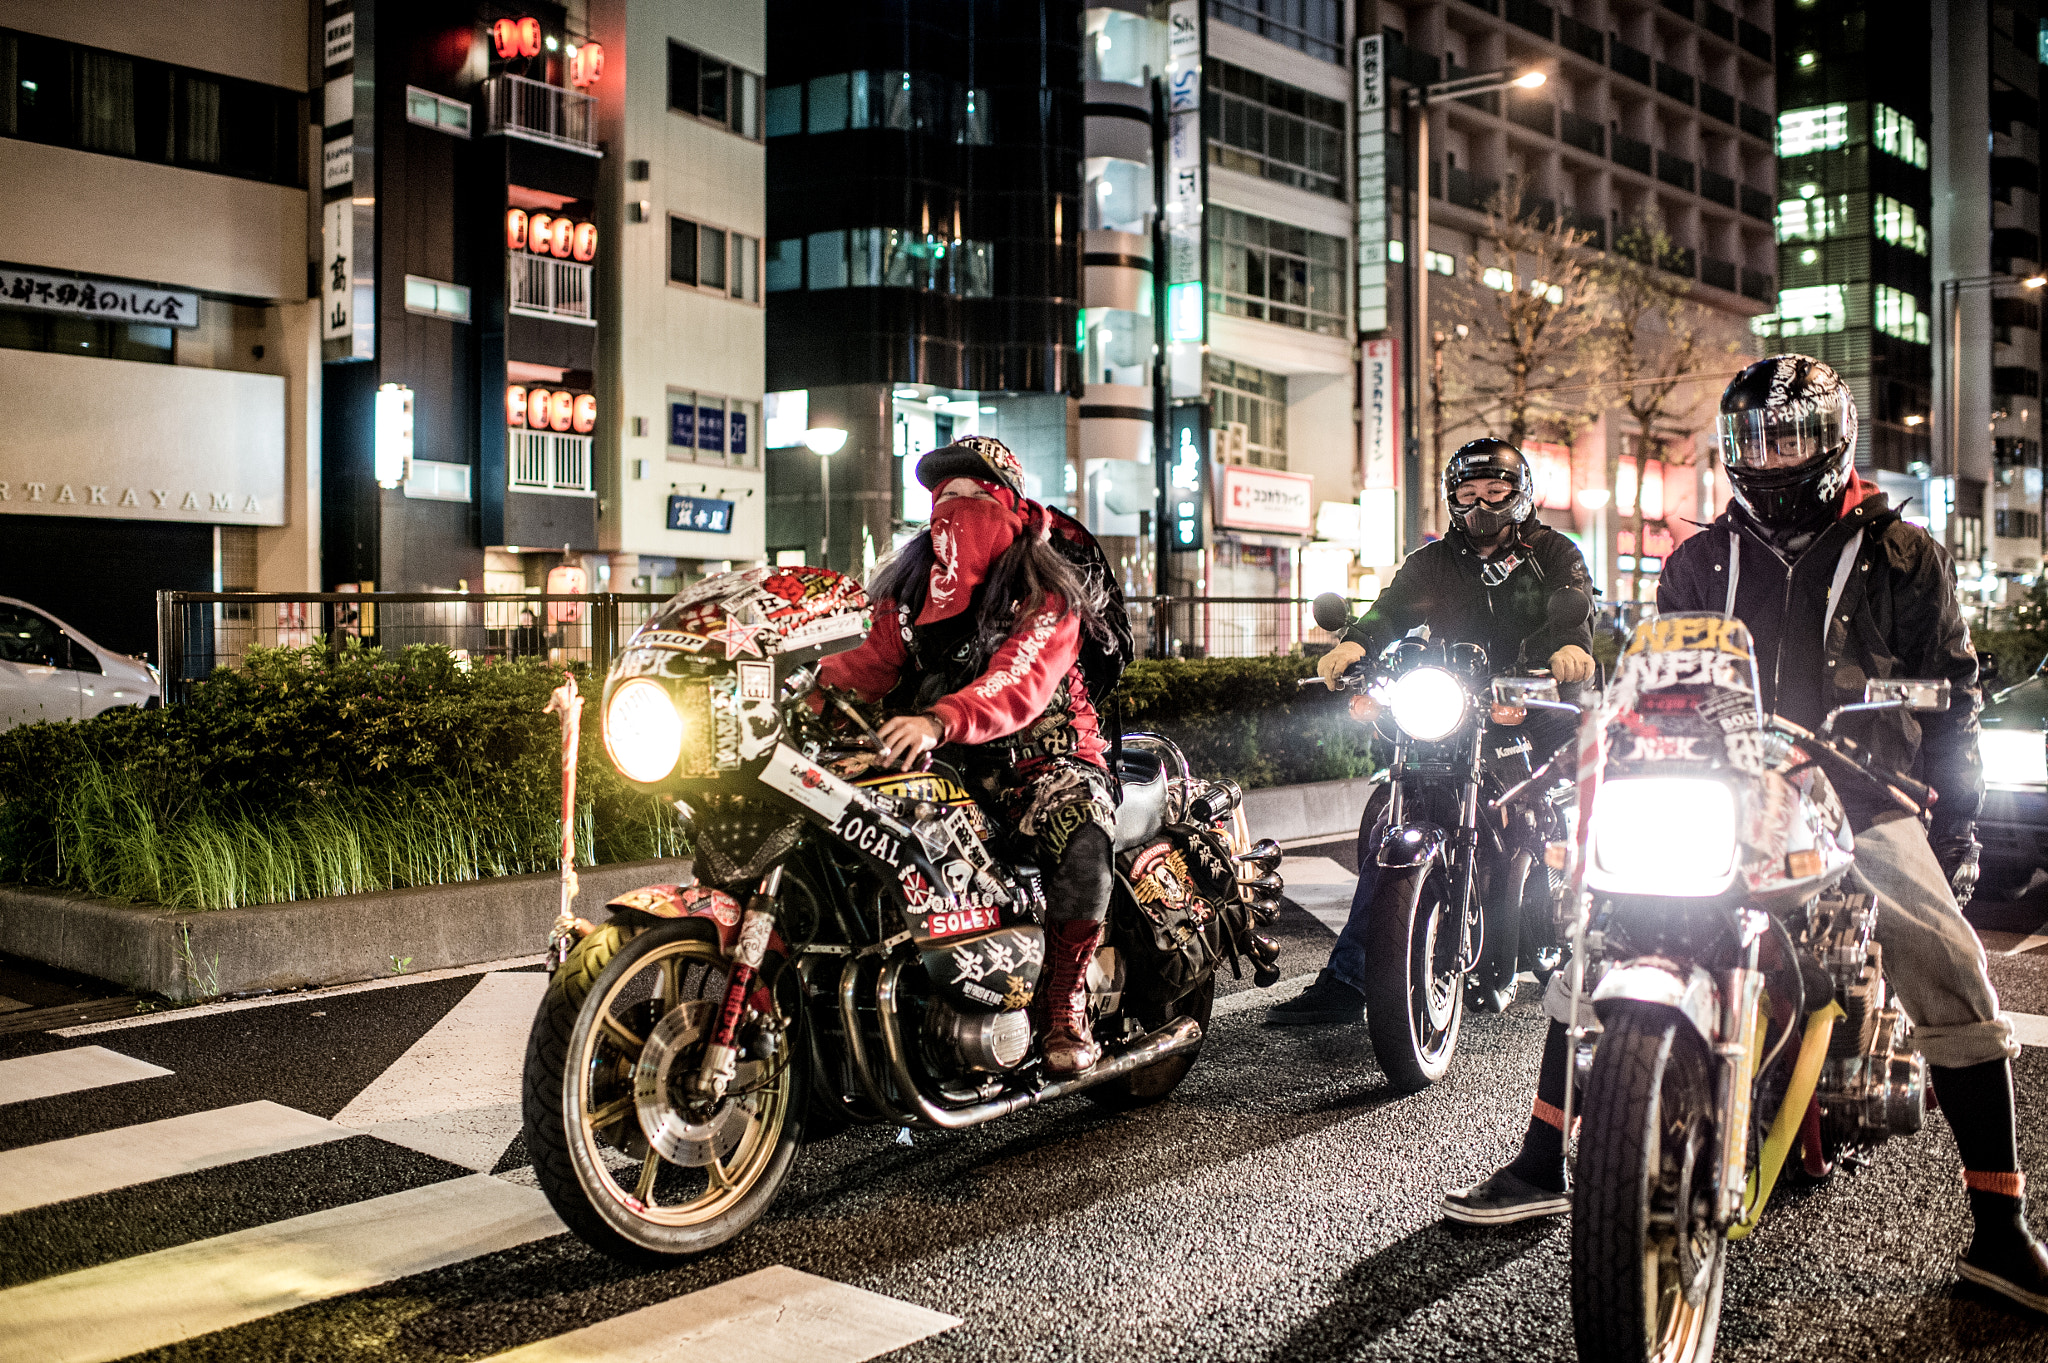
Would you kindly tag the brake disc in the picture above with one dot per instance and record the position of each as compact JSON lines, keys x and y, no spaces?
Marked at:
{"x":688,"y":1133}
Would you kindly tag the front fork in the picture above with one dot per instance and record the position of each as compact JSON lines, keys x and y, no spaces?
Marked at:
{"x":721,"y":1057}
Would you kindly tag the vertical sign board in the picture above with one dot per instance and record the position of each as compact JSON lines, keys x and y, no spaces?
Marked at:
{"x":1380,"y":413}
{"x":1186,"y":307}
{"x":1189,"y":427}
{"x":1372,"y":185}
{"x":338,"y":259}
{"x":347,"y":215}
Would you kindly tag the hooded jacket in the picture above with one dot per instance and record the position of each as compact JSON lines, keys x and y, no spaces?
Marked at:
{"x":1871,"y":596}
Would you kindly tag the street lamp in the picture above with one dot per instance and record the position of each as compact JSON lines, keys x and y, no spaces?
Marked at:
{"x":1950,"y":380}
{"x":1415,"y":102}
{"x":825,"y":441}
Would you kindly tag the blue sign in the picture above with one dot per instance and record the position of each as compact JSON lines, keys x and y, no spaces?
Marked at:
{"x":682,"y":425}
{"x":710,"y":515}
{"x":737,"y":425}
{"x":711,"y":428}
{"x":1184,"y":472}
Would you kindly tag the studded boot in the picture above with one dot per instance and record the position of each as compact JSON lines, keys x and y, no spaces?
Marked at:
{"x":1070,"y":1047}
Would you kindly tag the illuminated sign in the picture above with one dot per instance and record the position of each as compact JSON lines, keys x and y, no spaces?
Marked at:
{"x":550,"y":409}
{"x":586,"y":64}
{"x":1380,"y":412}
{"x":1252,"y":498}
{"x":394,"y":434}
{"x":711,"y":515}
{"x":546,"y":234}
{"x":515,"y":38}
{"x":1184,"y":476}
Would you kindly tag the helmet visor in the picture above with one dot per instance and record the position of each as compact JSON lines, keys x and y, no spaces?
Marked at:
{"x":1787,"y":436}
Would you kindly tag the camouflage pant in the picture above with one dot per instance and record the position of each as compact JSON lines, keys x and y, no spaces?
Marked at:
{"x":1065,"y":809}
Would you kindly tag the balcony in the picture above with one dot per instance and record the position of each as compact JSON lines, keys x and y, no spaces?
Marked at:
{"x":1583,"y":39}
{"x":1683,"y":8}
{"x":1583,"y":133}
{"x":1469,"y":190}
{"x":1594,"y":228}
{"x":1530,"y":15}
{"x":1718,"y":187}
{"x":1412,"y":64}
{"x":1628,"y":152}
{"x":1756,"y":122}
{"x":1717,"y":103}
{"x":541,"y":286}
{"x":1675,"y":171}
{"x":1629,"y":61}
{"x":545,"y":462}
{"x":1756,"y":284}
{"x":1722,"y":274}
{"x":1674,"y":82}
{"x":1757,"y":204}
{"x":538,"y":112}
{"x":1720,"y":22}
{"x":2013,"y":244}
{"x":2015,"y":381}
{"x":1753,"y":40}
{"x":1537,"y":115}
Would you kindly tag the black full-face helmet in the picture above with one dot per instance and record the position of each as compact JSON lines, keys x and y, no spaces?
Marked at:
{"x":1490,"y":458}
{"x":1787,"y":431}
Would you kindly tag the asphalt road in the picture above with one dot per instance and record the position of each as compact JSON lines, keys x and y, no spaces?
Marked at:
{"x":1281,"y":1205}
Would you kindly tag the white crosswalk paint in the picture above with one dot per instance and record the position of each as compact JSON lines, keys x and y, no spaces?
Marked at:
{"x":152,"y":1300}
{"x":2029,"y":1029}
{"x":455,"y":1094}
{"x":773,"y":1315}
{"x":81,"y":1067}
{"x":38,"y":1175}
{"x":1321,"y":886}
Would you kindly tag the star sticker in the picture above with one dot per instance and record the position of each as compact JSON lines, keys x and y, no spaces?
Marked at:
{"x":738,"y":638}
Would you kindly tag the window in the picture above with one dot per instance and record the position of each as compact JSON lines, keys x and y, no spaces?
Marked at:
{"x":1312,"y":26}
{"x":711,"y":257}
{"x":21,"y":330}
{"x":785,"y":110}
{"x":784,"y":269}
{"x":1436,"y":262}
{"x":1895,"y":133}
{"x":914,"y":101}
{"x":1899,"y":224}
{"x":430,"y":110}
{"x":727,"y":95}
{"x":828,"y":105}
{"x":1276,"y":272}
{"x":434,"y":298}
{"x":1496,"y":278}
{"x":825,"y":260}
{"x":1813,"y":216}
{"x":682,"y":251}
{"x":1257,"y":401}
{"x":706,"y":429}
{"x":1810,"y":311}
{"x":1801,"y":131}
{"x":746,"y":270}
{"x":884,"y":258}
{"x":1271,"y":129}
{"x":1898,"y":314}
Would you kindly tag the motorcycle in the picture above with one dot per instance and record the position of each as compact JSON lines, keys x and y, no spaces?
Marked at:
{"x":859,"y":946}
{"x":1459,"y":829}
{"x":1742,"y":1005}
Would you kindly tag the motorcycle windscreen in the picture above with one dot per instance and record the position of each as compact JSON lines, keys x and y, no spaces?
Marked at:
{"x":1685,"y":691}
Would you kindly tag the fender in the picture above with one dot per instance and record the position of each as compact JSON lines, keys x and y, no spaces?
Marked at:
{"x":715,"y":907}
{"x":1664,"y":982}
{"x":1410,"y":846}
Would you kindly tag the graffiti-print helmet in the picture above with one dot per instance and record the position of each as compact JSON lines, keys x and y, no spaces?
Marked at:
{"x":1489,"y":458}
{"x":1788,"y":436}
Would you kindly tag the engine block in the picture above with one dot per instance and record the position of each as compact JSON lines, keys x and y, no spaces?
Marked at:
{"x":1872,"y":1084}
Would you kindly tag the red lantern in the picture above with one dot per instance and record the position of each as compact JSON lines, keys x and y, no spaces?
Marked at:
{"x":564,"y":233}
{"x":515,"y":229}
{"x":587,"y":65}
{"x":561,"y":410}
{"x":537,"y":404}
{"x":529,"y":37}
{"x":585,"y":246}
{"x":538,"y":233}
{"x":515,"y":405}
{"x":505,"y":37}
{"x":584,"y":421}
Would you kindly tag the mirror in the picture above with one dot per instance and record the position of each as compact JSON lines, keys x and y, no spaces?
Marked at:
{"x":1568,"y":608}
{"x":1520,"y":691}
{"x":1914,"y":695}
{"x":1332,"y":612}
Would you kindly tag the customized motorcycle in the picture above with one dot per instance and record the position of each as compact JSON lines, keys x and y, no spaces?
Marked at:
{"x":858,"y":947}
{"x":1460,"y":830}
{"x":1742,"y":1002}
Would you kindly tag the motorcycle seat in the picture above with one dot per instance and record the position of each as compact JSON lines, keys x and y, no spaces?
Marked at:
{"x":1143,"y":811}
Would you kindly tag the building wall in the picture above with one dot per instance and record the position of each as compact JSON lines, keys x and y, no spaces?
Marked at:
{"x":259,"y":40}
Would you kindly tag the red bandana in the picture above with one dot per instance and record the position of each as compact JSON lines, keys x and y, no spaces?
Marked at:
{"x":968,"y":535}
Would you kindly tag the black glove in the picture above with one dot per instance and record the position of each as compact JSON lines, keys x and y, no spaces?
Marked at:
{"x":1957,"y":849}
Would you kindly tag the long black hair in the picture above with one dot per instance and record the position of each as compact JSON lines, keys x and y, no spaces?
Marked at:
{"x":1020,"y":581}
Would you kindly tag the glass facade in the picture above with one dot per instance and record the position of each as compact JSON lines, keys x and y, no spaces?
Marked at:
{"x":1315,"y":27}
{"x":1248,"y":405}
{"x":1276,"y":272}
{"x":1274,"y":130}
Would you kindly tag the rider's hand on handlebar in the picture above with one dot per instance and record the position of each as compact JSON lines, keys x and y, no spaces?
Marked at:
{"x":905,"y":738}
{"x":1337,"y":661}
{"x":1571,"y":664}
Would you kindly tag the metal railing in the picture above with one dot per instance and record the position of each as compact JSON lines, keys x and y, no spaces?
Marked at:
{"x":543,"y":461}
{"x":541,"y":286}
{"x":539,"y":112}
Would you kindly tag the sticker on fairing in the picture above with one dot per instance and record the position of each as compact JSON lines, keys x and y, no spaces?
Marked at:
{"x":825,"y":631}
{"x":757,"y":681}
{"x":1688,"y":633}
{"x":807,"y":783}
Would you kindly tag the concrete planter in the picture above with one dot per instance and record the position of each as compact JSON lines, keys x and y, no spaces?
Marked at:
{"x":185,"y":955}
{"x":1321,"y":809}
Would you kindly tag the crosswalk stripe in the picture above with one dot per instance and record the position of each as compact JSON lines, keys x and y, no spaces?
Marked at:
{"x":2029,"y":1029}
{"x":455,"y":1094}
{"x":59,"y":1072}
{"x":773,"y":1315}
{"x":38,"y":1175}
{"x":152,"y":1300}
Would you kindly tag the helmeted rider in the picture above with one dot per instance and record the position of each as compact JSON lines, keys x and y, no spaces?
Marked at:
{"x":1836,"y":588}
{"x":978,"y":625}
{"x":1501,"y":579}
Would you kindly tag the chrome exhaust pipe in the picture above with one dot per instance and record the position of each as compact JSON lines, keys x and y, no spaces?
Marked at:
{"x":856,"y":1046}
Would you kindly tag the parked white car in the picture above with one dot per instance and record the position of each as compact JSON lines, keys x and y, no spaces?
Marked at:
{"x":48,"y":670}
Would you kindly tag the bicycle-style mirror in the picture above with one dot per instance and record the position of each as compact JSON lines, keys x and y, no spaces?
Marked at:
{"x":1924,"y":696}
{"x":1332,"y":612}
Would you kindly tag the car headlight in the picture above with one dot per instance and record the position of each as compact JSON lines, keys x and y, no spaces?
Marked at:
{"x":2014,"y":757}
{"x":1663,"y":835}
{"x":1428,"y":703}
{"x":642,"y":731}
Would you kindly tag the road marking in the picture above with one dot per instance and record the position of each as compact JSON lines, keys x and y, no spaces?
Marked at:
{"x":152,"y":1300}
{"x":82,"y":1067}
{"x":455,"y":1094}
{"x":773,"y":1315}
{"x":37,"y":1175}
{"x":206,"y":1010}
{"x":8,"y":1005}
{"x":2028,"y":943}
{"x":2029,"y":1029}
{"x":1315,"y":871}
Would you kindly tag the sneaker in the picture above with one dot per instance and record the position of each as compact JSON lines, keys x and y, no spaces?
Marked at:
{"x":1328,"y":1000}
{"x":2017,"y":1270}
{"x":1504,"y":1198}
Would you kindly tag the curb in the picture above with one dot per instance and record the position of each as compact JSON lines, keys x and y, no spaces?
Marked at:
{"x":1321,"y":809}
{"x":185,"y":955}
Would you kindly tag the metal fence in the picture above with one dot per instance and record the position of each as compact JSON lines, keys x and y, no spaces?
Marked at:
{"x":541,"y":112}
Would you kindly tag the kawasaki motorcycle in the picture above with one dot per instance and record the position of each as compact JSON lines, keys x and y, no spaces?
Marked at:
{"x":860,"y":945}
{"x":1744,"y":1019}
{"x":1460,"y":829}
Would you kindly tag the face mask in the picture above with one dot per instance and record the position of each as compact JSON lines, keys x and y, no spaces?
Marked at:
{"x":1483,"y":521}
{"x":968,"y":535}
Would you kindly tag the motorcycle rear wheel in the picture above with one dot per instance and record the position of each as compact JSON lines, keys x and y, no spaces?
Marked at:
{"x":620,"y":999}
{"x":1647,"y":1265}
{"x":1414,"y":992}
{"x":1141,"y":1088}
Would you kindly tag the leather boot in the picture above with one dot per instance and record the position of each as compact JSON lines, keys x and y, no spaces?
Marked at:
{"x":1069,"y":1040}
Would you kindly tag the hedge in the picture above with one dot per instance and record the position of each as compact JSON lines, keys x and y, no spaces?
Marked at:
{"x":1244,"y":718}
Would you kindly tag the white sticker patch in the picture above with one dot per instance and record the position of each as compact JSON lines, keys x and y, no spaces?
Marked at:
{"x":807,"y":783}
{"x":757,"y":681}
{"x":824,"y":631}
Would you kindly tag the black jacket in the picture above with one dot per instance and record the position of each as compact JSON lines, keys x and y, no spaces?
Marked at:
{"x":1896,"y":617}
{"x":1440,"y":585}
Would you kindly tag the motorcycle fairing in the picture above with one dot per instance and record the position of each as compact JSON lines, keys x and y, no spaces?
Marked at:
{"x":796,"y":614}
{"x":705,"y":902}
{"x":988,"y":971}
{"x":1657,"y":980}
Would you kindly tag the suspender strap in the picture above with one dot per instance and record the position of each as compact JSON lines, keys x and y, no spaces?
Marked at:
{"x":1734,"y":568}
{"x":1841,"y":581}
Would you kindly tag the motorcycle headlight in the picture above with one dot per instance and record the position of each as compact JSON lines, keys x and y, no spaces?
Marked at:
{"x":1672,"y":836}
{"x":2014,"y":757}
{"x":1428,"y":703}
{"x":642,"y":731}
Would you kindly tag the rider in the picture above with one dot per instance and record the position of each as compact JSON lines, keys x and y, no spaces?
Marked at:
{"x":1835,"y":588}
{"x":979,"y":623}
{"x":1501,"y":579}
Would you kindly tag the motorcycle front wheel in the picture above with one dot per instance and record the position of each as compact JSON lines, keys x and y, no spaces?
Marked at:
{"x":1647,"y":1263}
{"x":631,"y":1159}
{"x":1414,"y":992}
